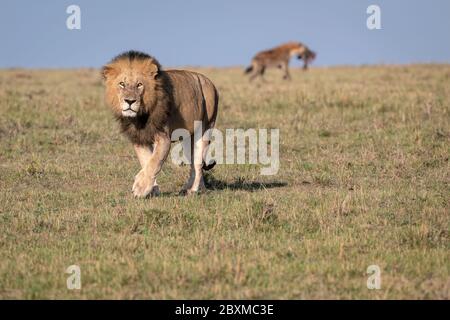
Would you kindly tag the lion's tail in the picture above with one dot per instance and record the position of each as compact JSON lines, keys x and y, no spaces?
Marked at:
{"x":249,"y":69}
{"x":209,"y":166}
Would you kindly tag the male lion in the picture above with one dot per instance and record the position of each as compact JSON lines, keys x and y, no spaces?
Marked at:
{"x":150,"y":103}
{"x":279,"y":57}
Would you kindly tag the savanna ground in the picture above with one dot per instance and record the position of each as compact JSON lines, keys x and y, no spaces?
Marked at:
{"x":364,"y":179}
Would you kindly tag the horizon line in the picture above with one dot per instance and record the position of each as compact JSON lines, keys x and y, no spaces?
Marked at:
{"x":433,"y":63}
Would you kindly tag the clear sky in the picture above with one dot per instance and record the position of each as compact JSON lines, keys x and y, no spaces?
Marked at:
{"x":221,"y":33}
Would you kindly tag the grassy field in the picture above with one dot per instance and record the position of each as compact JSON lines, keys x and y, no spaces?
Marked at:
{"x":364,"y":179}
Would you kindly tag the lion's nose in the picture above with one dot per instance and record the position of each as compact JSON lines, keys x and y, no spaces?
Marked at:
{"x":130,"y":102}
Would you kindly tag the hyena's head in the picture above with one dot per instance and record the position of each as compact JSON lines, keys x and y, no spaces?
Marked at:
{"x":308,"y":55}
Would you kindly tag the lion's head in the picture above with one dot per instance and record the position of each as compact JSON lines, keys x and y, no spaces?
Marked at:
{"x":131,"y":83}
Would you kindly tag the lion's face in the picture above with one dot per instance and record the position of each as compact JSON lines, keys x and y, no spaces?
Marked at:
{"x":129,"y":93}
{"x":129,"y":85}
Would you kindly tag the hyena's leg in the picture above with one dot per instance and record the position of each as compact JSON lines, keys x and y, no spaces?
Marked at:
{"x":261,"y":73}
{"x":305,"y":65}
{"x":258,"y":70}
{"x":145,"y":180}
{"x":287,"y":75}
{"x":253,"y":75}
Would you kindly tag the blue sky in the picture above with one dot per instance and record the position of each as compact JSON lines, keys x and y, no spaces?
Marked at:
{"x":221,"y":33}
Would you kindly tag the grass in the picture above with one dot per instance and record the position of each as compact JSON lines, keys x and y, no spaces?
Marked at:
{"x":364,"y":179}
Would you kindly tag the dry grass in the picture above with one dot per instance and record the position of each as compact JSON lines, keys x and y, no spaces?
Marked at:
{"x":364,"y":179}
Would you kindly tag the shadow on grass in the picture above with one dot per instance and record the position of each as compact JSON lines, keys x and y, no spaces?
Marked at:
{"x":213,"y":184}
{"x":240,"y":184}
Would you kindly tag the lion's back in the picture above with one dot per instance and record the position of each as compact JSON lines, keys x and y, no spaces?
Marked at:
{"x":194,"y":95}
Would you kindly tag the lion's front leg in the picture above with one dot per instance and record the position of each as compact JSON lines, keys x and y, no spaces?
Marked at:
{"x":145,"y":181}
{"x":144,"y":154}
{"x":143,"y":184}
{"x":143,"y":187}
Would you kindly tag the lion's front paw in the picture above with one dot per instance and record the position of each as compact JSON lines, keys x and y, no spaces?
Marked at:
{"x":143,"y":185}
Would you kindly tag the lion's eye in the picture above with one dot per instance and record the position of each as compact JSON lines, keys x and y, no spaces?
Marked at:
{"x":122,"y":84}
{"x":139,"y":85}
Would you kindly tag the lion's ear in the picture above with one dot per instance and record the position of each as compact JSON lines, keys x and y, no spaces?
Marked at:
{"x":153,"y":70}
{"x":108,"y":71}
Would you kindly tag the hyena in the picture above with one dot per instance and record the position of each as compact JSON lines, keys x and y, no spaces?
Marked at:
{"x":279,"y":58}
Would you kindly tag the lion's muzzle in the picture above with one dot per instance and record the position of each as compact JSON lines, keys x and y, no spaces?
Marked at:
{"x":130,"y":107}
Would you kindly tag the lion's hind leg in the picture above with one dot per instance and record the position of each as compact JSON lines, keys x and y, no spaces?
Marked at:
{"x":188,"y":155}
{"x":188,"y":185}
{"x":196,"y":182}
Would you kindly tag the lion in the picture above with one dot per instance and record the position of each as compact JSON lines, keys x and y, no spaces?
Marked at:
{"x":150,"y":103}
{"x":279,"y":57}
